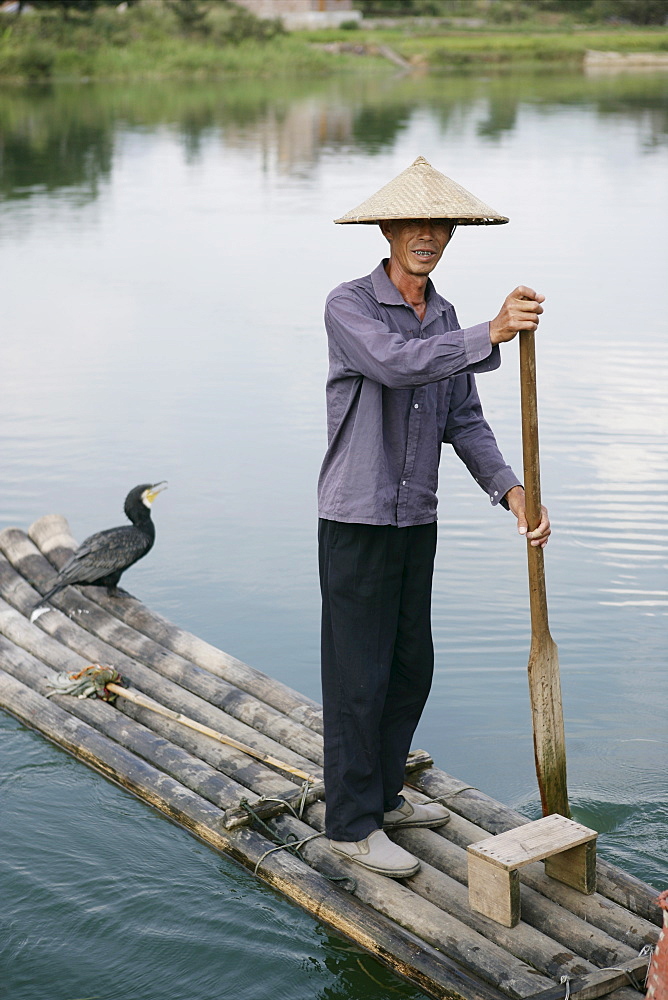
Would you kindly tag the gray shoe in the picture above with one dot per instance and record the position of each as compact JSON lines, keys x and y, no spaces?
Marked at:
{"x":426,"y":814}
{"x":378,"y":854}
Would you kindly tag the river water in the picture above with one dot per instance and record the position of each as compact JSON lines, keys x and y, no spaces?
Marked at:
{"x":165,"y":251}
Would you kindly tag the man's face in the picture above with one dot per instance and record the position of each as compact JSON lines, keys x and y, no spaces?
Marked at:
{"x":417,"y":245}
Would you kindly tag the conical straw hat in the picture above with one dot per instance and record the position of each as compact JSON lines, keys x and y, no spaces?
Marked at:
{"x":420,"y":192}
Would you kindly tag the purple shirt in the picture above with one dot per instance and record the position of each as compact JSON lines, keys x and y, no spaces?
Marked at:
{"x":397,"y":389}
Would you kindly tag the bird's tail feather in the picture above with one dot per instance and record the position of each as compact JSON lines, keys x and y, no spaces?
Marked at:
{"x":49,"y":594}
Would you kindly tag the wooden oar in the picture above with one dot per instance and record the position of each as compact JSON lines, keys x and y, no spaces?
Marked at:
{"x":544,"y":684}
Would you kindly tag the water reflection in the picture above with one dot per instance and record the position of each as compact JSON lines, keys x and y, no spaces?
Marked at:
{"x":46,"y":145}
{"x":143,"y":343}
{"x":63,"y":137}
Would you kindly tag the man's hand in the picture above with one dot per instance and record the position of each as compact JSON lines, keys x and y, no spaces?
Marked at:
{"x":516,"y":502}
{"x":520,"y":311}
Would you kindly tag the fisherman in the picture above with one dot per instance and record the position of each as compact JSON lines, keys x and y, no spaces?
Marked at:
{"x":401,"y":381}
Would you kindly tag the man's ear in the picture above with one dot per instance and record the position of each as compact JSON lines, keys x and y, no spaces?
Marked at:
{"x":385,"y":229}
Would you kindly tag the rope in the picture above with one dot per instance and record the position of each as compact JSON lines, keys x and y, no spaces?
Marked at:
{"x":302,"y":799}
{"x":290,"y":845}
{"x":565,"y":980}
{"x":452,"y":795}
{"x":272,"y":798}
{"x":647,"y":951}
{"x":301,"y":805}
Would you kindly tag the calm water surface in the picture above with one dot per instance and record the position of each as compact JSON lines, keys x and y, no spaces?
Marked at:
{"x":165,"y":252}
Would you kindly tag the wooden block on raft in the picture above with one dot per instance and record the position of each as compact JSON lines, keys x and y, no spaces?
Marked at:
{"x":568,"y":849}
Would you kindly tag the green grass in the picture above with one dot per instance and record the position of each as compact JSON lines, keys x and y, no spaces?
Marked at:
{"x":168,"y":58}
{"x":458,"y":48}
{"x":147,"y":42}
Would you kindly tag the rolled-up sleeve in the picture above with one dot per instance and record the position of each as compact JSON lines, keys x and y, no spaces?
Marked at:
{"x":367,"y":346}
{"x":473,"y":440}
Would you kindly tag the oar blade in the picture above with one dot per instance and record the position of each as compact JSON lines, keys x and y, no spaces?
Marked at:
{"x":548,"y":725}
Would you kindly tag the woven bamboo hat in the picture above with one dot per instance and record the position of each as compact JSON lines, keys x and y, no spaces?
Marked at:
{"x":420,"y":192}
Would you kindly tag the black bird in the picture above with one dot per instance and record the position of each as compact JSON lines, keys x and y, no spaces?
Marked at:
{"x":102,"y":558}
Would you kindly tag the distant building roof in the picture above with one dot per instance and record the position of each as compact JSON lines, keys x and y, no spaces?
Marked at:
{"x":304,"y":13}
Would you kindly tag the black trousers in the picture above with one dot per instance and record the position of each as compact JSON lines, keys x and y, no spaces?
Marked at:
{"x":377,"y":664}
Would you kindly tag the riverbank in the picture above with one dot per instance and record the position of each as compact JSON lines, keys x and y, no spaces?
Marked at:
{"x":457,"y":49}
{"x":147,"y":41}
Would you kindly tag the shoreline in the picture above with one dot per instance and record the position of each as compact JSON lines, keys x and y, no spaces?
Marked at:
{"x":81,"y":53}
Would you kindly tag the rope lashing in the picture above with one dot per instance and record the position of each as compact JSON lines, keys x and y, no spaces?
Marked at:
{"x":566,"y":980}
{"x":647,"y":951}
{"x":301,"y":805}
{"x":291,"y":845}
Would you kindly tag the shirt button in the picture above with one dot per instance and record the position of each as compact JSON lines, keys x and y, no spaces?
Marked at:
{"x":403,"y":483}
{"x":415,"y":406}
{"x":496,"y":493}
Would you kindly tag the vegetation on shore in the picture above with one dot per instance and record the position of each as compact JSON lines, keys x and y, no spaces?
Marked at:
{"x":150,"y":39}
{"x":94,"y":39}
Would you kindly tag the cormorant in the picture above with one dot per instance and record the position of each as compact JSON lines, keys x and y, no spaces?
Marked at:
{"x":102,"y":558}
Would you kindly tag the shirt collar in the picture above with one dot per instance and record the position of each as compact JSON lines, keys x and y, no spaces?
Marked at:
{"x":388,"y":293}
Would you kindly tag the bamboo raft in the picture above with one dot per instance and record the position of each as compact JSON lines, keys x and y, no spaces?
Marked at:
{"x":567,"y":943}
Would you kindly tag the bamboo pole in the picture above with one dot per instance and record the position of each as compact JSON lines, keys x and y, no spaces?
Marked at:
{"x":245,"y":774}
{"x":243,"y":770}
{"x":558,"y":923}
{"x":494,"y":817}
{"x":52,"y":536}
{"x":603,"y":982}
{"x":24,"y":555}
{"x":175,"y":762}
{"x":137,"y":698}
{"x":543,"y":667}
{"x":396,"y":900}
{"x":32,"y":638}
{"x":530,"y":944}
{"x":395,"y":946}
{"x":167,"y":692}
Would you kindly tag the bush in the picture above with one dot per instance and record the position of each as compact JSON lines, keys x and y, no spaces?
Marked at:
{"x":508,"y":13}
{"x":191,"y":15}
{"x":635,"y":11}
{"x":36,"y":60}
{"x":242,"y":26}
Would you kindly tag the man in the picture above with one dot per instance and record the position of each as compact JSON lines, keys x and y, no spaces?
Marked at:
{"x":401,"y":382}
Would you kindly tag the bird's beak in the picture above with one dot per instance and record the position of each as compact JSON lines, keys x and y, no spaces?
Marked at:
{"x":152,"y":493}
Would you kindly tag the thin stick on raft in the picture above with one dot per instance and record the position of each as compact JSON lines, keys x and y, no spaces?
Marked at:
{"x":99,"y":682}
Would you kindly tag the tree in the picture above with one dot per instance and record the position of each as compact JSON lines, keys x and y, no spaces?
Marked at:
{"x":191,"y":15}
{"x":67,"y":6}
{"x":636,"y":11}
